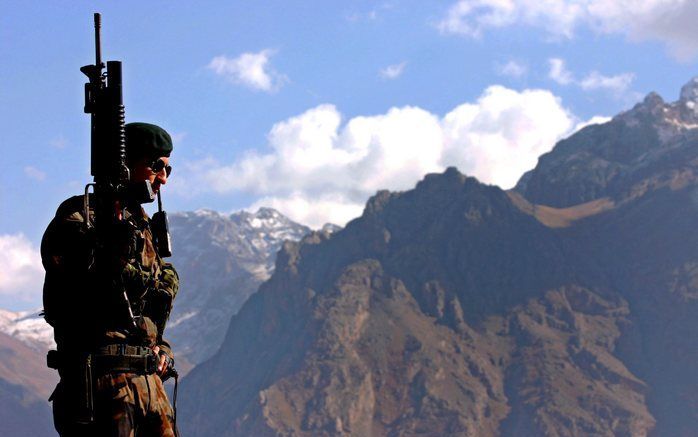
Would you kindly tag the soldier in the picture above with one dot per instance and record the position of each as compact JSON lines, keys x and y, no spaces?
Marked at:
{"x":111,"y":366}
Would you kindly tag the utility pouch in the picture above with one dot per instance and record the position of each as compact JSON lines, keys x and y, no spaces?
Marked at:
{"x":161,"y":231}
{"x":53,"y":359}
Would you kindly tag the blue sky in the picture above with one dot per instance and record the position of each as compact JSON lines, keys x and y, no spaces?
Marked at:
{"x":312,"y":106}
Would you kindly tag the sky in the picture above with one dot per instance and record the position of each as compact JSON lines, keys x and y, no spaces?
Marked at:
{"x":311,"y":107}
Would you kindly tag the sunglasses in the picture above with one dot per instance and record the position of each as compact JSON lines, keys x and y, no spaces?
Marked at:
{"x":158,"y":165}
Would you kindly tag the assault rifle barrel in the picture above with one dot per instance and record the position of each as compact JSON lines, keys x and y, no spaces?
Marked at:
{"x":98,"y":44}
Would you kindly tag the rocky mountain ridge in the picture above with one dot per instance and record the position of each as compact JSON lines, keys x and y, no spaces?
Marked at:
{"x":638,"y":150}
{"x":221,"y":260}
{"x":563,"y":307}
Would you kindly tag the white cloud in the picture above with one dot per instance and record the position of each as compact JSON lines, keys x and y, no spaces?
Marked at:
{"x":618,"y":84}
{"x":328,"y":208}
{"x":669,"y":21}
{"x":34,"y":173}
{"x":502,"y":135}
{"x":558,"y":72}
{"x":319,"y":168}
{"x":373,"y":14}
{"x":249,"y":69}
{"x":393,"y":71}
{"x":512,"y":69}
{"x":597,"y":119}
{"x":60,"y":142}
{"x":473,"y":17}
{"x":178,"y":137}
{"x":22,"y":274}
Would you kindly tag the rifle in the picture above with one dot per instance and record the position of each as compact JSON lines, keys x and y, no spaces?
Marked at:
{"x":112,"y":186}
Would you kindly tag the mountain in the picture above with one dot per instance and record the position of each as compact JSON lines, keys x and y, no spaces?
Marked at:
{"x":25,"y":381}
{"x":564,"y":307}
{"x":28,"y":327}
{"x":221,"y":260}
{"x":646,"y":182}
{"x":638,"y":150}
{"x":25,"y":385}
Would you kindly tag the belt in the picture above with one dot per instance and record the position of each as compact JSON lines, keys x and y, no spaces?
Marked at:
{"x":122,"y":349}
{"x":123,"y":358}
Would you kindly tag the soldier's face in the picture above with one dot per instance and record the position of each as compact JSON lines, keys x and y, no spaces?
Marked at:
{"x":143,"y":171}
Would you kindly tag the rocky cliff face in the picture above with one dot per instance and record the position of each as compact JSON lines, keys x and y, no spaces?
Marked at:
{"x":565,"y":307}
{"x":221,"y":260}
{"x":638,"y":150}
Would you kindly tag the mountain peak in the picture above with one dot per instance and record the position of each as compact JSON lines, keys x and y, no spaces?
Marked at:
{"x":653,"y":100}
{"x":435,"y":191}
{"x":450,"y":176}
{"x":204,"y":212}
{"x":267,"y":212}
{"x":28,"y":327}
{"x":637,"y":151}
{"x":224,"y":257}
{"x":689,"y":92}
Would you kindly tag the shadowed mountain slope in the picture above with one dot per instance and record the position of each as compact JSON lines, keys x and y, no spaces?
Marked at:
{"x":25,"y":385}
{"x":221,"y":260}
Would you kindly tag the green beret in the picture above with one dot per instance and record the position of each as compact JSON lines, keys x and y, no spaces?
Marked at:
{"x":145,"y":140}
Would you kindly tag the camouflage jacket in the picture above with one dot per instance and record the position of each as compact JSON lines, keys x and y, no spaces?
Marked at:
{"x":86,"y":314}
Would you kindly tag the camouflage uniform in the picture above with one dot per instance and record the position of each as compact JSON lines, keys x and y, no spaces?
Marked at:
{"x":87,"y":320}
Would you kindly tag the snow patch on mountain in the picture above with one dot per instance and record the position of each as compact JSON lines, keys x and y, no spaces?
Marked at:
{"x":28,"y":327}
